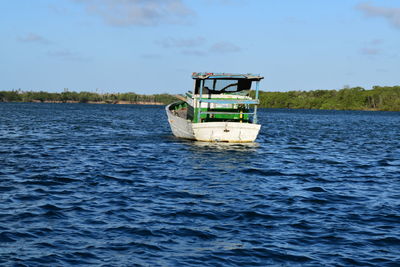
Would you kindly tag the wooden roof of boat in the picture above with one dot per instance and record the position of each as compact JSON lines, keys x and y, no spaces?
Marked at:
{"x":226,"y":76}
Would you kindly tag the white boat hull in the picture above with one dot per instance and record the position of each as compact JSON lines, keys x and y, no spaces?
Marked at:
{"x":233,"y":132}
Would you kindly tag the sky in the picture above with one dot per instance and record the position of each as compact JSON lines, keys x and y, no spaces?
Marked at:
{"x":153,"y":46}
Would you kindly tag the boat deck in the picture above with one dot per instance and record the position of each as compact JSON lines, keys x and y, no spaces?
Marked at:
{"x":182,"y":113}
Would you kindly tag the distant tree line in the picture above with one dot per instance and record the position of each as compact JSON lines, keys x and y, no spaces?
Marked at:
{"x":383,"y":98}
{"x":379,"y":98}
{"x":83,"y":97}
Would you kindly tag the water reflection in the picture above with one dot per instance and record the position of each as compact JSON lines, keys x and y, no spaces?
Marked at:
{"x":243,"y":147}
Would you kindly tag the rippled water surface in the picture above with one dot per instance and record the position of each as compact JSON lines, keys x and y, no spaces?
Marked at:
{"x":107,"y":185}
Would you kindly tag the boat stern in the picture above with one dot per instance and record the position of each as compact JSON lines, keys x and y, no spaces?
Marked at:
{"x":232,"y":132}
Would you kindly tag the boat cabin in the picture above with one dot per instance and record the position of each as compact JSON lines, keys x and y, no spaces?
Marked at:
{"x":222,"y":97}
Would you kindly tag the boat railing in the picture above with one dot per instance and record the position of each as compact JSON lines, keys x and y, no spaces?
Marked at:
{"x":227,"y":113}
{"x":230,"y":101}
{"x":246,"y":102}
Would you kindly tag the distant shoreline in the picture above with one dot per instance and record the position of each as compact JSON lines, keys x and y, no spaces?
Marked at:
{"x":89,"y":102}
{"x":163,"y":104}
{"x":379,"y":98}
{"x":85,"y":97}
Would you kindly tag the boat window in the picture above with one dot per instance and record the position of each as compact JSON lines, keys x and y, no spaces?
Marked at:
{"x":197,"y":86}
{"x":216,"y":86}
{"x":228,"y":85}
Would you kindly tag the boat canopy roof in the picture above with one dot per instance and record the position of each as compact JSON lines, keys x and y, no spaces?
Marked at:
{"x":225,"y":76}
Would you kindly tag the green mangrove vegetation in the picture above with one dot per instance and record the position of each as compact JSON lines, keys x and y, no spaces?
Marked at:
{"x":84,"y":97}
{"x":385,"y":98}
{"x":382,"y":98}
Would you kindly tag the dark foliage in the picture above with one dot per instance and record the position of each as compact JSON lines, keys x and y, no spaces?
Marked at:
{"x":379,"y":98}
{"x":357,"y":98}
{"x":83,"y":97}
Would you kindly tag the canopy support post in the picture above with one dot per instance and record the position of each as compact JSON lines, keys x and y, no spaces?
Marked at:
{"x":255,"y":106}
{"x":201,"y":96}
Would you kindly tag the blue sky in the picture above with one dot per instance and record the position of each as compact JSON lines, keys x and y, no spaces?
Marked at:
{"x":153,"y":46}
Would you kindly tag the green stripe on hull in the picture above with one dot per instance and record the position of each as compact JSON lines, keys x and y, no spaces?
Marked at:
{"x":217,"y":117}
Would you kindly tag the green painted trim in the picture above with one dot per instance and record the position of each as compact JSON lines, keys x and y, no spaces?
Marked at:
{"x":208,"y":117}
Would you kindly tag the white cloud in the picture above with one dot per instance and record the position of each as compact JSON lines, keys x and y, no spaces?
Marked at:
{"x":151,"y":56}
{"x":196,"y":46}
{"x":392,"y":15}
{"x":186,"y":43}
{"x":33,"y":38}
{"x":376,"y":42}
{"x":224,"y":47}
{"x":198,"y":53}
{"x":59,"y":10}
{"x":139,"y":12}
{"x":370,"y":51}
{"x":372,"y":47}
{"x":66,"y":54}
{"x":225,"y":2}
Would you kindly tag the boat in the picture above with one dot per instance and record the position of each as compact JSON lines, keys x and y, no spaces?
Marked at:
{"x":221,"y":108}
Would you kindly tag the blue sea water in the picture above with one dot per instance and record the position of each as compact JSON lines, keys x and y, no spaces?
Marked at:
{"x":108,"y":185}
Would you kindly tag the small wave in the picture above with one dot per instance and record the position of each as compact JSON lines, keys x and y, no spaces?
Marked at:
{"x":316,"y":189}
{"x":45,"y":245}
{"x":253,"y":215}
{"x":65,"y":180}
{"x":15,"y":236}
{"x":383,"y":163}
{"x":4,"y":189}
{"x":386,"y":241}
{"x":131,"y":245}
{"x":303,"y":175}
{"x":188,"y":232}
{"x":42,"y":182}
{"x":84,"y":255}
{"x":43,"y":231}
{"x":355,"y":262}
{"x":50,"y":207}
{"x":54,"y":214}
{"x":95,"y":222}
{"x":262,"y":172}
{"x":276,"y":255}
{"x":125,"y":230}
{"x":363,"y":166}
{"x":24,"y":215}
{"x":5,"y":237}
{"x":319,"y":201}
{"x":325,"y":161}
{"x":117,"y":179}
{"x":303,"y":225}
{"x":30,"y":197}
{"x":182,"y":194}
{"x":194,"y":214}
{"x":296,"y":148}
{"x":49,"y":259}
